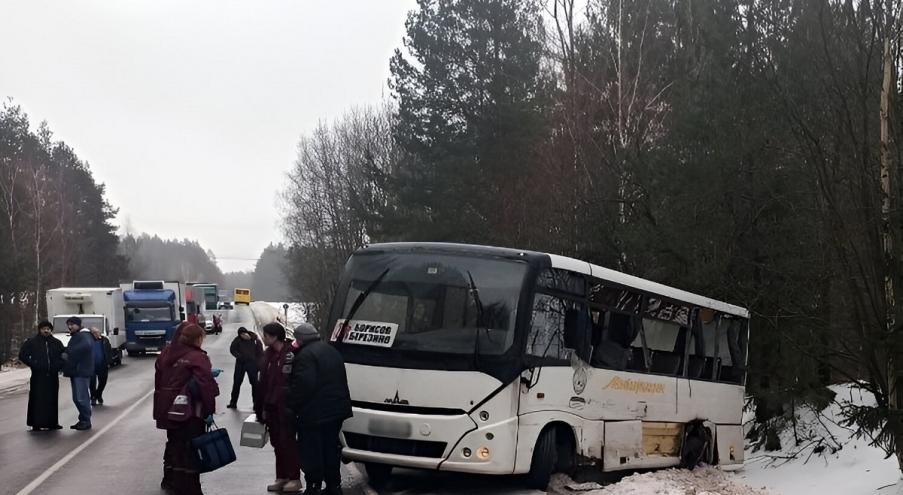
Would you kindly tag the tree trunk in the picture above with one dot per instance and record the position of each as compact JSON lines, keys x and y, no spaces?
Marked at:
{"x":895,"y":398}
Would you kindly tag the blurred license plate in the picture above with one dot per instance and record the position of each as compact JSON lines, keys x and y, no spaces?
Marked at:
{"x":151,"y":349}
{"x":389,"y":428}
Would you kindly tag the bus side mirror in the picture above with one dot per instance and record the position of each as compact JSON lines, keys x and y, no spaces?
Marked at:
{"x":527,"y":377}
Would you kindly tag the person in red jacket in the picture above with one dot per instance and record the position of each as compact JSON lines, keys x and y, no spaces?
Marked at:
{"x":180,"y":362}
{"x":269,"y":405}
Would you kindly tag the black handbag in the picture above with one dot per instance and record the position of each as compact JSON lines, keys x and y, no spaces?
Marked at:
{"x":213,"y":449}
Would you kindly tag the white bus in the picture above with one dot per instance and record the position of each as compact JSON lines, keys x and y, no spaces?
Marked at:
{"x":497,"y":361}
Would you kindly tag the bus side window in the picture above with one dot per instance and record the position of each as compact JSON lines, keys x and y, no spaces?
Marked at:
{"x":665,"y":347}
{"x":732,"y":350}
{"x":610,"y":342}
{"x":557,"y":325}
{"x":700,"y":365}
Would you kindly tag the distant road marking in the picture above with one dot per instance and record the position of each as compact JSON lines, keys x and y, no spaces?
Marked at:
{"x":62,"y":462}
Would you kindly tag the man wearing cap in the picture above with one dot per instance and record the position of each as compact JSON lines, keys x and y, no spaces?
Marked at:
{"x":317,"y":397}
{"x":79,"y":367}
{"x":43,"y":353}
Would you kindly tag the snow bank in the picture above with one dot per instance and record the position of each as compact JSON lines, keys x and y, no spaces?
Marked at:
{"x":702,"y":481}
{"x":827,"y":459}
{"x":296,"y":312}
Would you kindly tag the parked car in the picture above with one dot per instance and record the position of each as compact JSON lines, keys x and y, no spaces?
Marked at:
{"x":225,"y":305}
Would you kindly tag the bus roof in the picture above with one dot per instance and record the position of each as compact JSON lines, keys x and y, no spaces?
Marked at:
{"x":575,"y":265}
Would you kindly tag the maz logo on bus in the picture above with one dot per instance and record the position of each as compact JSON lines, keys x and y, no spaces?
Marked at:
{"x":635,"y":386}
{"x":397,"y":400}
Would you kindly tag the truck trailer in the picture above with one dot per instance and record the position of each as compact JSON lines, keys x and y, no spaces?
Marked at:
{"x":98,"y":307}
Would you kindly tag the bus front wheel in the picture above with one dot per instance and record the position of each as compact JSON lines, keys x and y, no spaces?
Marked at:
{"x":378,"y":474}
{"x":545,"y":457}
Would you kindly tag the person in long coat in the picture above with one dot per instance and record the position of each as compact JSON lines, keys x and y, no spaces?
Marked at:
{"x":182,"y":361}
{"x":317,"y":394}
{"x":43,"y":353}
{"x":269,"y":405}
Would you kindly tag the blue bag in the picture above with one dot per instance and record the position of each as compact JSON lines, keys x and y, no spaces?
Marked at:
{"x":213,"y":450}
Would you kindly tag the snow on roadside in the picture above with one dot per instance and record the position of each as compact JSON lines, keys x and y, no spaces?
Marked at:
{"x":701,"y":481}
{"x":296,"y":313}
{"x":828,"y":460}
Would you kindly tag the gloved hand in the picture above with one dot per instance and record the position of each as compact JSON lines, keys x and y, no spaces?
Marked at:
{"x":216,"y":372}
{"x":208,"y":420}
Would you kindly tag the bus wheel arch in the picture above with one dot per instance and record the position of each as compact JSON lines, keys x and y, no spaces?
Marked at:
{"x":698,"y":444}
{"x":555,"y":451}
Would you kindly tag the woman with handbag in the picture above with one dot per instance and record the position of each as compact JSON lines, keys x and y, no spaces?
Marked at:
{"x":269,"y":405}
{"x":184,"y":396}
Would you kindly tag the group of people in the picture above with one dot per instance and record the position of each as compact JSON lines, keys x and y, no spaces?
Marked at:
{"x":86,"y":360}
{"x":300,"y":393}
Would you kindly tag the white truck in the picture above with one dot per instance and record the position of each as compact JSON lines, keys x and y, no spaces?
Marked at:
{"x":100,"y":307}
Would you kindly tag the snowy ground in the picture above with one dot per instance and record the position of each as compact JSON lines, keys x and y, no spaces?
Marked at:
{"x":827,"y":460}
{"x":702,"y":481}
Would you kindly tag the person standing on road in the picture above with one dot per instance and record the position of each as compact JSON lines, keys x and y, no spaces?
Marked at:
{"x":79,"y":367}
{"x":43,"y":353}
{"x":103,"y":359}
{"x":217,"y":324}
{"x":183,"y":361}
{"x":269,"y":405}
{"x":248,"y":352}
{"x":318,"y":397}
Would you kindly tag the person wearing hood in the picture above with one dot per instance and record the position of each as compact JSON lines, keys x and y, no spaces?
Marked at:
{"x":318,"y":398}
{"x":79,"y":367}
{"x":183,"y":366}
{"x":248,"y":352}
{"x":269,"y":406}
{"x":43,"y":353}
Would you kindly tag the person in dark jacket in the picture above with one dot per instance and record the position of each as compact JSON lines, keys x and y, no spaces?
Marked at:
{"x":103,"y":359}
{"x":269,"y":405}
{"x":248,"y":352}
{"x":43,"y":353}
{"x":318,"y":397}
{"x":79,"y":367}
{"x":182,"y":361}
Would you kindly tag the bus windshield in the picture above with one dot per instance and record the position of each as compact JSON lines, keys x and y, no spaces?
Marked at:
{"x":437,"y":303}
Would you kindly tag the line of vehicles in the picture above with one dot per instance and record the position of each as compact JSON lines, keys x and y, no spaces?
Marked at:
{"x":140,"y":316}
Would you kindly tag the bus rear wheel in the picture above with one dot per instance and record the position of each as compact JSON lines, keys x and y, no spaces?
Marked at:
{"x":378,"y":474}
{"x":697,"y":447}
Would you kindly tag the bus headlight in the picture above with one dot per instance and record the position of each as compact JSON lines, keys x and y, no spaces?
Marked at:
{"x":484,"y":415}
{"x":483,"y":453}
{"x":466,"y":452}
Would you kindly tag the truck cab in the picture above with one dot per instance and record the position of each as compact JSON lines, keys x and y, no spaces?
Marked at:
{"x":151,"y":318}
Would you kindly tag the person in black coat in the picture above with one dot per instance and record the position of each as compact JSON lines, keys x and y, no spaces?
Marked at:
{"x":318,"y":398}
{"x":43,"y":353}
{"x":248,"y":353}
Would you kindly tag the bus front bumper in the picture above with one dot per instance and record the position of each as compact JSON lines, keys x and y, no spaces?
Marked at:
{"x":446,"y":443}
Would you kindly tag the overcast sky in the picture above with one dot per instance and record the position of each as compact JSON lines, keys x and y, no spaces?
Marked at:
{"x":190,"y":111}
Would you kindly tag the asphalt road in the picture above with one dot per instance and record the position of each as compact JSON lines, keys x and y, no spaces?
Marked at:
{"x":123,"y":452}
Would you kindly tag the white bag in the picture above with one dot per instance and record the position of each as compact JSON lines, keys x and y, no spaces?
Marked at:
{"x":253,"y":434}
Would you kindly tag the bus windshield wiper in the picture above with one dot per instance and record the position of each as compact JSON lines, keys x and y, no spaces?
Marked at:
{"x":363,"y":297}
{"x":475,"y":293}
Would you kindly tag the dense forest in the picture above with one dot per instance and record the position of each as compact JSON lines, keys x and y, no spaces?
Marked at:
{"x":747,"y":150}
